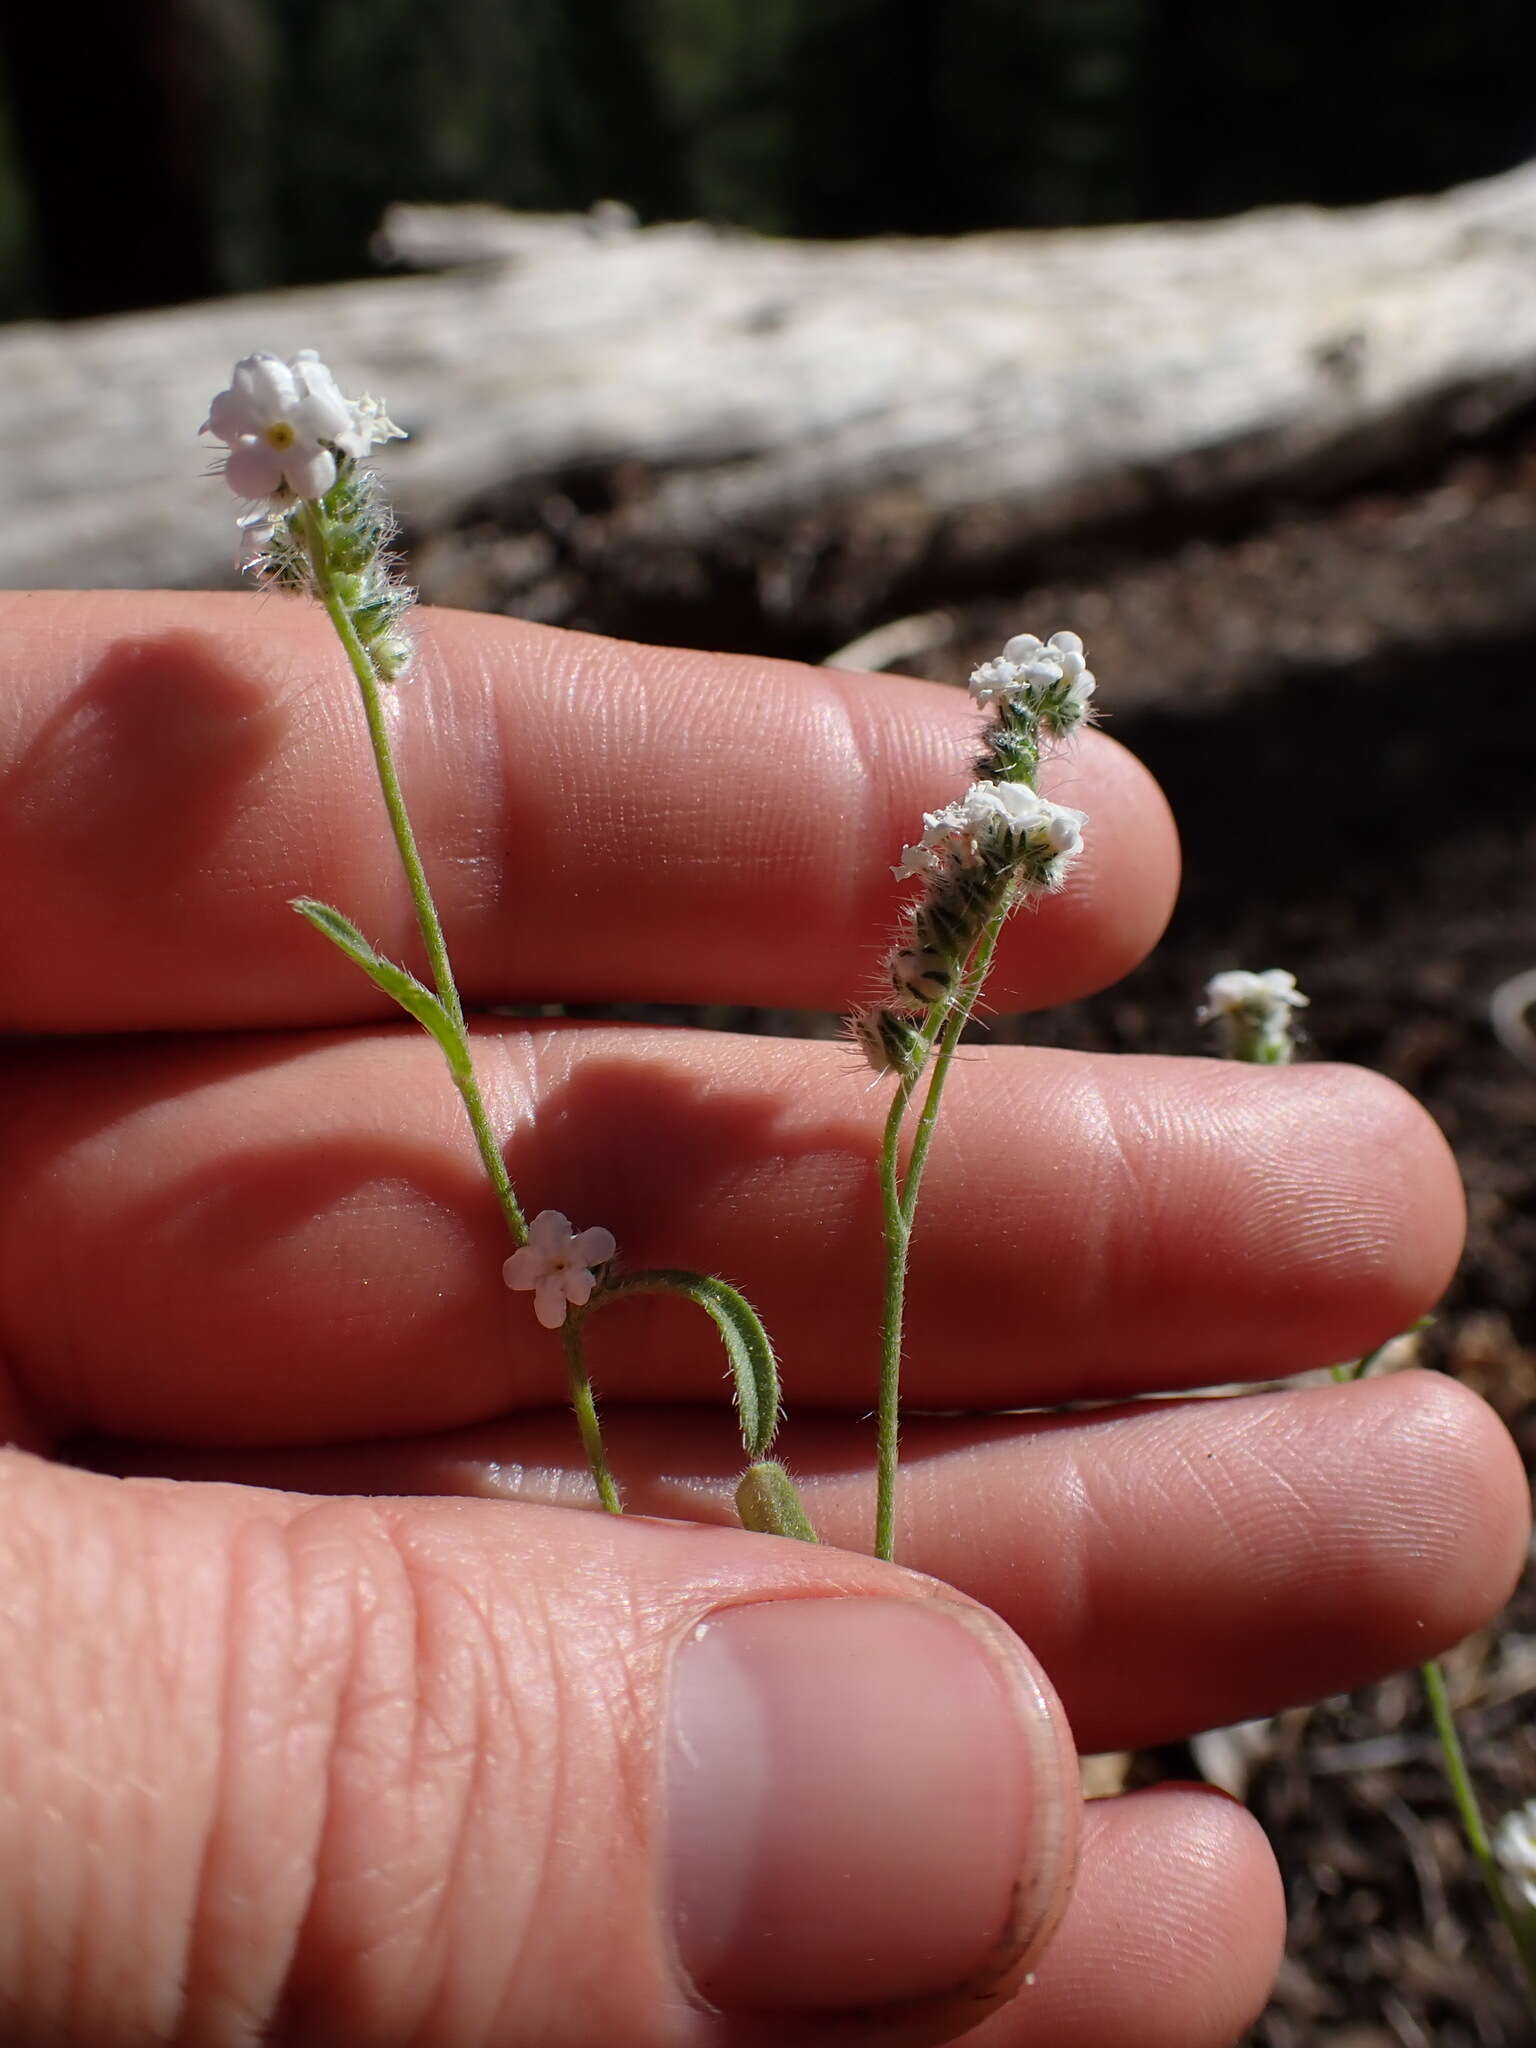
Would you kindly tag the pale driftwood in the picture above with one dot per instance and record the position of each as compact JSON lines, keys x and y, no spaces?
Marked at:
{"x":985,"y":389}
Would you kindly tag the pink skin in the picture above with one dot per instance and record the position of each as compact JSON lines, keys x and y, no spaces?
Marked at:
{"x":386,"y":1770}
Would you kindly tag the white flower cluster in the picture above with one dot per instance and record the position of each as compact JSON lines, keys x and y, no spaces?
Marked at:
{"x":1274,"y":992}
{"x":1254,"y":1012}
{"x":557,"y":1264}
{"x":1052,"y":676}
{"x":1514,"y":1844}
{"x":285,"y":424}
{"x":997,"y":819}
{"x":322,"y":525}
{"x":997,"y":846}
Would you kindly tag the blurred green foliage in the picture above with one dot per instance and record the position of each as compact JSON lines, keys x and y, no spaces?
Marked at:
{"x":194,"y":146}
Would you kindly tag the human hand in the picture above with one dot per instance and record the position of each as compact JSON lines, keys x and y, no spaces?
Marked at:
{"x":379,"y":1770}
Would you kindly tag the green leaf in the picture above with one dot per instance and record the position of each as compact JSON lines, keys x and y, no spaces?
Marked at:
{"x":412,"y":996}
{"x":753,"y":1367}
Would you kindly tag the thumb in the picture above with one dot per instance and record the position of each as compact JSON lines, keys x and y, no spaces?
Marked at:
{"x":458,"y":1772}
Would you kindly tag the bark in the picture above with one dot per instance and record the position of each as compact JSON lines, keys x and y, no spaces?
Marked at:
{"x":663,"y":411}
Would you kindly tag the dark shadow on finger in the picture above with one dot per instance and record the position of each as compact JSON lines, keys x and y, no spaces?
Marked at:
{"x":114,"y":806}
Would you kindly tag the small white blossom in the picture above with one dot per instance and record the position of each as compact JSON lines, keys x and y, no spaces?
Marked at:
{"x":374,"y":423}
{"x":1238,"y":989}
{"x":1254,"y":1012}
{"x":1046,"y":660}
{"x":917,"y":862}
{"x":284,"y":425}
{"x":1064,"y":829}
{"x":994,"y":678}
{"x":1030,"y":667}
{"x":1514,"y":1844}
{"x":989,"y":807}
{"x":556,"y":1266}
{"x":988,"y":812}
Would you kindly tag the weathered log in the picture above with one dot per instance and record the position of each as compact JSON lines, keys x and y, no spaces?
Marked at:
{"x":669,"y":403}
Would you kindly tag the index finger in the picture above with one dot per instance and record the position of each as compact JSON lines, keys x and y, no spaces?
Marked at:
{"x":601,"y":821}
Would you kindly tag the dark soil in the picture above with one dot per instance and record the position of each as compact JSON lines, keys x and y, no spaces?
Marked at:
{"x":1369,"y":828}
{"x":1341,"y":702}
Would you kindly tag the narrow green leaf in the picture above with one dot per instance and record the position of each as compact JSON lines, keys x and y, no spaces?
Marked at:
{"x":403,"y":987}
{"x":748,"y":1351}
{"x":753,"y":1366}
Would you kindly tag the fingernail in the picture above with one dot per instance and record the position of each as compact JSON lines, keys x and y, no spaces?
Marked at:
{"x":866,"y":1804}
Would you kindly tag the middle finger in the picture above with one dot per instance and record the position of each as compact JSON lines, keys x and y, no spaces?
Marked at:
{"x":270,"y":1240}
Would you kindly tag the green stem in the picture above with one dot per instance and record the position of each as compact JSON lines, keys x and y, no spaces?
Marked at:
{"x":1359,"y":1367}
{"x":1521,"y":1927}
{"x":899,"y":1207}
{"x":898,"y":1234}
{"x":490,"y":1152}
{"x":958,"y":1017}
{"x":427,"y":920}
{"x":586,"y":1414}
{"x":384,"y":760}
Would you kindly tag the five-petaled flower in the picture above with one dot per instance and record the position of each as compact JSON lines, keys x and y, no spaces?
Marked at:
{"x":285,"y":424}
{"x":556,"y":1265}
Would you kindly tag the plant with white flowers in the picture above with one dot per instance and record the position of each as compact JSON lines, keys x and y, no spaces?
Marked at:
{"x":998,"y":846}
{"x":1253,"y":1014}
{"x":318,"y":523}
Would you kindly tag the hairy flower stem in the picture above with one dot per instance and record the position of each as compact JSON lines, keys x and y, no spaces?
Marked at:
{"x":586,"y":1414}
{"x":455,"y":1043}
{"x":428,"y":922}
{"x":898,"y":1197}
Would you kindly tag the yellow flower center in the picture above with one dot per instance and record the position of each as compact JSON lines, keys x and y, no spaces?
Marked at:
{"x":280,"y":435}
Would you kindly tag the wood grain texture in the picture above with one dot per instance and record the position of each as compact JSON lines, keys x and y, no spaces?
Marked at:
{"x":1010,"y":384}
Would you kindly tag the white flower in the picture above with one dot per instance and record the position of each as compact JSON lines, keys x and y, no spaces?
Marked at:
{"x":919,"y":861}
{"x":373,"y":422}
{"x":1514,"y":1844}
{"x":988,"y":812}
{"x":1029,"y":666}
{"x":1064,"y":828}
{"x":991,"y":810}
{"x":1252,"y":1013}
{"x":285,"y":424}
{"x":993,"y":679}
{"x":556,"y":1264}
{"x":1046,"y":661}
{"x":989,"y":807}
{"x":1272,"y":993}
